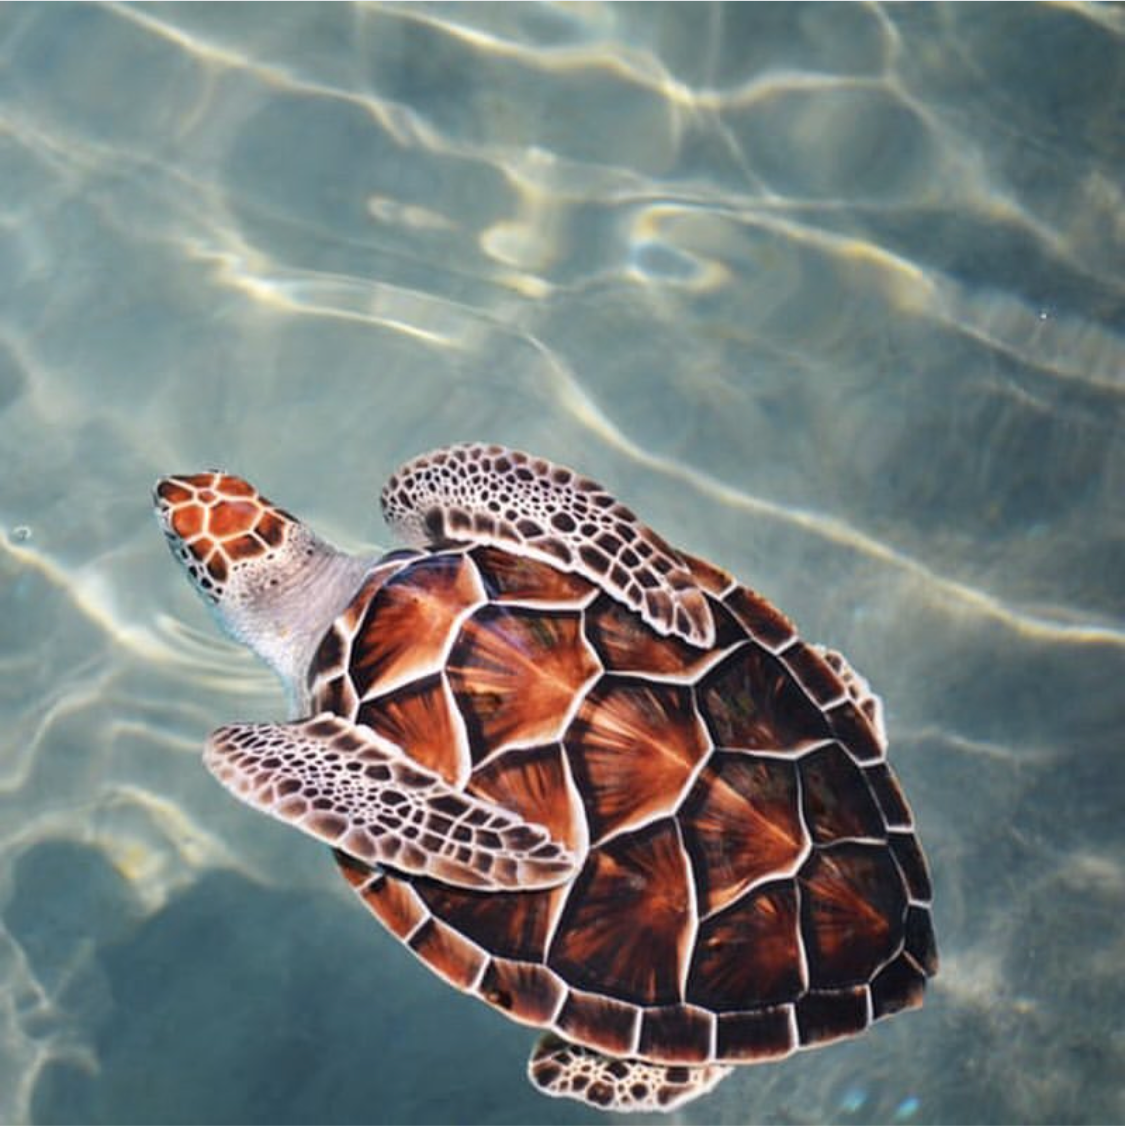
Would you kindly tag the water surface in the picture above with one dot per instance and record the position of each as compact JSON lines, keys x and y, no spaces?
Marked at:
{"x":833,"y":295}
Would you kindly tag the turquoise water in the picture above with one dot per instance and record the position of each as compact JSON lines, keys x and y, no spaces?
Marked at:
{"x":834,"y":296}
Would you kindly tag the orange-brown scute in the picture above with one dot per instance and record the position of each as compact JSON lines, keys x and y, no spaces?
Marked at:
{"x":459,"y":961}
{"x":199,"y":481}
{"x":201,"y":547}
{"x":854,"y":901}
{"x":749,"y":955}
{"x":418,"y":718}
{"x":626,"y":644}
{"x":187,"y":521}
{"x":511,"y":925}
{"x":405,"y":630}
{"x":516,"y":674}
{"x":742,"y":824}
{"x":396,"y":904}
{"x":676,"y":1033}
{"x":592,"y":1018}
{"x":513,"y":578}
{"x":633,"y":748}
{"x":532,"y":782}
{"x":630,"y":921}
{"x":526,"y":992}
{"x":173,"y":492}
{"x":232,"y":517}
{"x":243,"y":547}
{"x":222,"y":519}
{"x":271,"y":526}
{"x":236,"y":487}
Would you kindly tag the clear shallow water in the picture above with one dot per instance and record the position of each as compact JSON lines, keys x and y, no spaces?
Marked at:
{"x":832,"y":295}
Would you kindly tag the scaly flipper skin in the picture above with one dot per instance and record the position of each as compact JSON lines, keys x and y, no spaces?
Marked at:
{"x":358,"y":792}
{"x":566,"y":1070}
{"x":494,"y":495}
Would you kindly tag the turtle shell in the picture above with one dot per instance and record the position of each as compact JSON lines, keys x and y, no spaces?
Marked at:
{"x":751,"y":880}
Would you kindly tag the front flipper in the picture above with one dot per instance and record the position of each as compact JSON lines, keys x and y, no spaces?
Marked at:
{"x":566,"y":1070}
{"x":493,"y":495}
{"x":358,"y":792}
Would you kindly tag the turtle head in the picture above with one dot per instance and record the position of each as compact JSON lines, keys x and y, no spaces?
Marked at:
{"x":270,"y":580}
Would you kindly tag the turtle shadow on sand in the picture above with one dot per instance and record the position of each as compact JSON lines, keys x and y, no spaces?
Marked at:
{"x":299,"y":1012}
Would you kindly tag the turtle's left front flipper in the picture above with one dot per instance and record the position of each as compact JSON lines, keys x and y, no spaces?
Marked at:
{"x":356,"y":791}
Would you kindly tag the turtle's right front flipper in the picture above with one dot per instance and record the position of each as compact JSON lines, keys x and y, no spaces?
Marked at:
{"x":358,"y":792}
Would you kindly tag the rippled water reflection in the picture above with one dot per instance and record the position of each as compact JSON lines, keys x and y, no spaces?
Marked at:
{"x":830,"y":294}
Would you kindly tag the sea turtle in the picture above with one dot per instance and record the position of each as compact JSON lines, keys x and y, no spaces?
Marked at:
{"x":581,"y":774}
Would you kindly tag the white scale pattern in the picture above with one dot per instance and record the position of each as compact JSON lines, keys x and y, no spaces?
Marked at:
{"x":348,"y":787}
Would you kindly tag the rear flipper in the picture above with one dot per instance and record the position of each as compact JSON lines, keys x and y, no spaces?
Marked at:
{"x":566,"y":1070}
{"x":356,"y":791}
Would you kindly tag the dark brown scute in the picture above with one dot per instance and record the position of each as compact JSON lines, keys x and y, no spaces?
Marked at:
{"x":271,"y":527}
{"x":386,"y":569}
{"x":766,"y":624}
{"x":243,"y":547}
{"x":837,"y":800}
{"x":515,"y":578}
{"x":888,"y":794}
{"x":919,"y":942}
{"x":590,"y":1018}
{"x":814,"y":673}
{"x":628,"y":919}
{"x":751,"y":701}
{"x":329,"y":657}
{"x":417,"y":718}
{"x":626,"y":644}
{"x":526,"y":992}
{"x":852,"y":910}
{"x":633,"y":747}
{"x":335,"y":696}
{"x":714,"y":580}
{"x":899,"y":985}
{"x":531,"y":781}
{"x":830,"y":1016}
{"x":173,"y":492}
{"x":741,"y":824}
{"x":230,"y":517}
{"x":448,"y":952}
{"x":760,"y":1035}
{"x":912,"y":863}
{"x":676,"y":1034}
{"x":406,"y":625}
{"x":509,"y":924}
{"x":201,"y":548}
{"x":749,"y":955}
{"x":217,"y":567}
{"x":855,"y":731}
{"x":354,"y":871}
{"x":515,"y":673}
